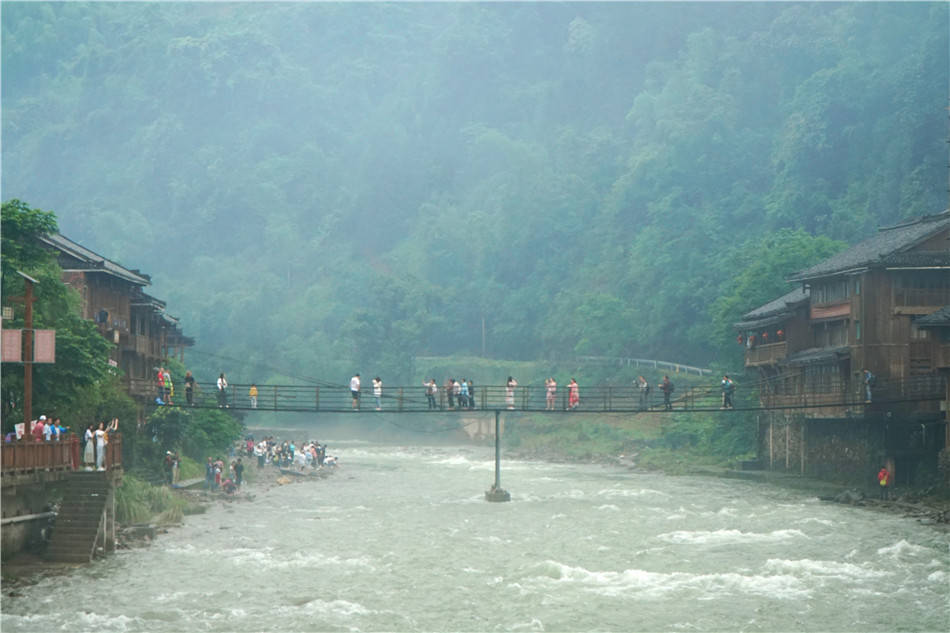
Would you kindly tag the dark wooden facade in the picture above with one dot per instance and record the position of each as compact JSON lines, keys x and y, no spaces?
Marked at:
{"x":112,"y":296}
{"x":865,"y":308}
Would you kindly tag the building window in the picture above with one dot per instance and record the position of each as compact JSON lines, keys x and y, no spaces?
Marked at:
{"x":857,"y":285}
{"x":829,"y":292}
{"x":857,"y":330}
{"x":831,"y":333}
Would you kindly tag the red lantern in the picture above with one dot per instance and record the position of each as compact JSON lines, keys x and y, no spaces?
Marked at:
{"x":765,"y":337}
{"x":780,"y":334}
{"x":739,"y":339}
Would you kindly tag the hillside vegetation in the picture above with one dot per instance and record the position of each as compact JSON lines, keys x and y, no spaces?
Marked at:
{"x":323,"y":188}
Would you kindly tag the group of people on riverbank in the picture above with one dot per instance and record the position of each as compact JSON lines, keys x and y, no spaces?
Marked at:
{"x":216,"y":478}
{"x":289,"y":454}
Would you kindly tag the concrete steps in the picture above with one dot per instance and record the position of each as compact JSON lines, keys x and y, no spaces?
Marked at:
{"x":81,"y":520}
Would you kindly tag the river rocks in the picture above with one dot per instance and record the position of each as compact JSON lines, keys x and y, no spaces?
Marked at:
{"x":849,"y":496}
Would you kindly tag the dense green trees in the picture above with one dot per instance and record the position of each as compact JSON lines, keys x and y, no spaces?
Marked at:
{"x":323,"y":186}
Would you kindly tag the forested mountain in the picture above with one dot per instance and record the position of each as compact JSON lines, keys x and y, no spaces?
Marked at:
{"x":334,"y":186}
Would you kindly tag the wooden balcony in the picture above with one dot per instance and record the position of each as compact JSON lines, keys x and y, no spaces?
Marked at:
{"x":766,"y":354}
{"x":141,"y":345}
{"x":25,"y":457}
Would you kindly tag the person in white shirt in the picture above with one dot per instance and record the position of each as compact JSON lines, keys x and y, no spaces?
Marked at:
{"x":222,"y":391}
{"x":378,"y":392}
{"x":355,"y":390}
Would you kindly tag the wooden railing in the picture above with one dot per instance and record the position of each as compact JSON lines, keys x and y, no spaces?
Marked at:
{"x":766,"y":354}
{"x":22,"y":456}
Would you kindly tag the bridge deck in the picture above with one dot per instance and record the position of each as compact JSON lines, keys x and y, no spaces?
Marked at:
{"x":535,"y":398}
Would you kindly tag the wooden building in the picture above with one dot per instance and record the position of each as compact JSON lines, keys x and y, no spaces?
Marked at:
{"x":142,"y":332}
{"x":864,"y":308}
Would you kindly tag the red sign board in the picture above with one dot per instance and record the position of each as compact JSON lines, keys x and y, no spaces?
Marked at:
{"x":11,"y":346}
{"x":44,"y":346}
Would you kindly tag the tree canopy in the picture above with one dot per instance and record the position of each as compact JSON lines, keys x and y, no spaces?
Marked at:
{"x":330,"y":187}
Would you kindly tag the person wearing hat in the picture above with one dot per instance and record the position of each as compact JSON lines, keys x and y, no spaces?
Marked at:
{"x":168,"y":466}
{"x":39,"y":428}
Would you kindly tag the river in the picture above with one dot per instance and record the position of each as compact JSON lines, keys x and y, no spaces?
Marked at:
{"x":400,"y":538}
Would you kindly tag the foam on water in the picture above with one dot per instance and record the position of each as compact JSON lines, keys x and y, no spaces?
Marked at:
{"x":640,"y":584}
{"x":822,"y":568}
{"x":724,"y":537}
{"x":630,"y":492}
{"x":902,"y":549}
{"x":807,"y":520}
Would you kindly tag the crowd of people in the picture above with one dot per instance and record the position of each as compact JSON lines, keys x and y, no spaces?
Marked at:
{"x":93,"y":440}
{"x":288,"y":454}
{"x":460,"y":394}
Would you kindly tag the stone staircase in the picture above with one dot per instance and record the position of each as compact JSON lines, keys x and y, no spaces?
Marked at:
{"x":84,"y":520}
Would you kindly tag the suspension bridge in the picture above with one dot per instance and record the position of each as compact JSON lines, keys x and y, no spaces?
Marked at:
{"x":757,"y":396}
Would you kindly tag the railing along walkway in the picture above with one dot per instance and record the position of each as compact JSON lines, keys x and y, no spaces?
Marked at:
{"x":27,"y":456}
{"x":535,"y":398}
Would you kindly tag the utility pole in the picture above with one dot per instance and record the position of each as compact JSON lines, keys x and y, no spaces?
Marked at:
{"x":27,"y":300}
{"x":483,"y":336}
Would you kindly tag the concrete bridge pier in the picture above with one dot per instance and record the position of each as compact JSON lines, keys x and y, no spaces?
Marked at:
{"x":496,"y":493}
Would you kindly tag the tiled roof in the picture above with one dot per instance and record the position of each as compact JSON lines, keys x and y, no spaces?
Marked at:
{"x":774,"y":311}
{"x":940,"y":318}
{"x":817,"y":355}
{"x":918,"y":259}
{"x":94,"y":261}
{"x":887,"y":242}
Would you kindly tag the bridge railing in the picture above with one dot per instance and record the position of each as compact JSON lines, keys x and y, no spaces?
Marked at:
{"x":622,"y":398}
{"x":21,"y":456}
{"x":415,"y":398}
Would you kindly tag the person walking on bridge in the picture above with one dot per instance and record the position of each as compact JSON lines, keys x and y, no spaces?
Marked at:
{"x":355,"y":391}
{"x":728,"y":388}
{"x":471,"y":394}
{"x":252,"y":395}
{"x":510,"y":392}
{"x":449,"y":388}
{"x":573,"y":395}
{"x":431,"y":389}
{"x":222,"y":391}
{"x":189,"y":388}
{"x":644,"y":388}
{"x":463,"y":394}
{"x":550,"y":388}
{"x":667,"y":388}
{"x":378,"y":392}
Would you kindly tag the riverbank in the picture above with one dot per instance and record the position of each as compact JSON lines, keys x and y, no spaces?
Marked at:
{"x":28,"y":568}
{"x":928,"y":506}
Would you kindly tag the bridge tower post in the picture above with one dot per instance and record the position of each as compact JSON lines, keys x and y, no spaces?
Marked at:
{"x":497,"y":493}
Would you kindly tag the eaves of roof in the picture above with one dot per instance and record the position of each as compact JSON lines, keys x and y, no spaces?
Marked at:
{"x":889,"y":242}
{"x":940,"y":318}
{"x":94,"y":261}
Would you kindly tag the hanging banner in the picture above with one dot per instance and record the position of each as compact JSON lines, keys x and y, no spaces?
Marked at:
{"x":44,"y":346}
{"x":11,"y":346}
